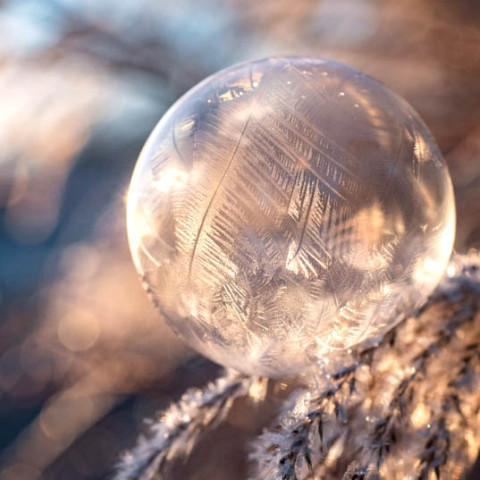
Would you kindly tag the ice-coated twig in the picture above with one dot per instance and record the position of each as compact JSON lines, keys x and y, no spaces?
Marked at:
{"x":313,"y":420}
{"x":436,"y":379}
{"x":387,"y":428}
{"x":181,"y":426}
{"x":406,"y":404}
{"x":447,"y":416}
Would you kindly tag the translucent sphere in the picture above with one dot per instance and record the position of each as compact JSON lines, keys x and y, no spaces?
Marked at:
{"x":288,"y":207}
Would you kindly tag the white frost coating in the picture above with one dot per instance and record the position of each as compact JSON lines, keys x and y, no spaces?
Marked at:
{"x":406,"y":408}
{"x":181,"y":426}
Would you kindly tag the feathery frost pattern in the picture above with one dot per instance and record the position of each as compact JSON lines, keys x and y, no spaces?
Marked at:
{"x":406,"y":408}
{"x":289,"y":204}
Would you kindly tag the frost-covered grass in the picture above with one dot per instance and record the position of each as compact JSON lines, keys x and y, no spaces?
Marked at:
{"x":407,"y":408}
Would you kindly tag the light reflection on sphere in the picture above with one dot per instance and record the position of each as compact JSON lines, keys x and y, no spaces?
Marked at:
{"x":285,"y":206}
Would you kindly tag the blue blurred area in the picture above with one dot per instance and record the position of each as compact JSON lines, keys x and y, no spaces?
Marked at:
{"x":83,"y":356}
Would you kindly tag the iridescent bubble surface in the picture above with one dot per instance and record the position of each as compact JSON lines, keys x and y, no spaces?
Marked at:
{"x":288,"y":207}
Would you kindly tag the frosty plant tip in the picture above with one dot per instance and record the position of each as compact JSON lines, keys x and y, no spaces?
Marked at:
{"x":286,"y":206}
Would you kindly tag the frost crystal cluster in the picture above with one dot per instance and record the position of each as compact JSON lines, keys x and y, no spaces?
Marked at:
{"x":287,"y":207}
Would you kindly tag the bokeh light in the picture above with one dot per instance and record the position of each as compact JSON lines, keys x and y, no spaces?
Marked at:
{"x":82,"y":83}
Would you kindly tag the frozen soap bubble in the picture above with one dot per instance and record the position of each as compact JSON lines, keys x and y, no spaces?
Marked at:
{"x":289,"y":206}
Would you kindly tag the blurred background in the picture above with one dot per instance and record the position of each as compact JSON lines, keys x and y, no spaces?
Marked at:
{"x":84,"y":357}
